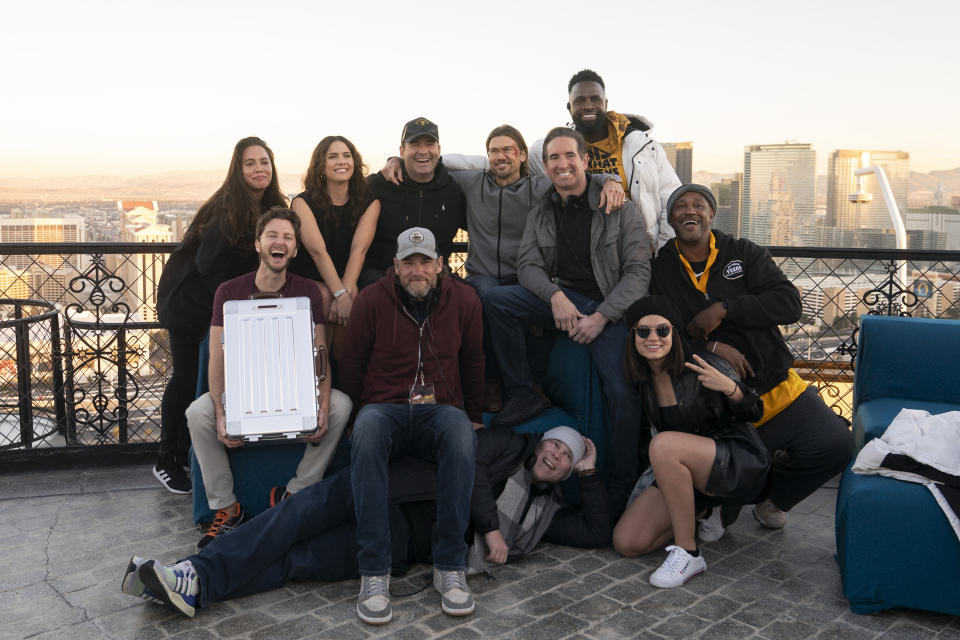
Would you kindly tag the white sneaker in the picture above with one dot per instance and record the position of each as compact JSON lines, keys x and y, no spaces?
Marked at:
{"x":373,"y":603}
{"x":455,"y":596}
{"x":679,"y":568}
{"x":710,"y":529}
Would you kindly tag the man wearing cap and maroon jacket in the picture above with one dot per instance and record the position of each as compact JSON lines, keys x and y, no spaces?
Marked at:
{"x":413,"y":362}
{"x":427,"y":197}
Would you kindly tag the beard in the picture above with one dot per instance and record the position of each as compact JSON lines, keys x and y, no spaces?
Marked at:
{"x":595,"y":129}
{"x":418,"y":290}
{"x":265,"y":260}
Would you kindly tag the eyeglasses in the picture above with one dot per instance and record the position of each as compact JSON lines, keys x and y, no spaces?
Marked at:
{"x":643,"y":331}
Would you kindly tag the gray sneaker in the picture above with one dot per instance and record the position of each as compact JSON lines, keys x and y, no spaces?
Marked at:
{"x":373,"y":603}
{"x":455,"y":596}
{"x":769,"y":516}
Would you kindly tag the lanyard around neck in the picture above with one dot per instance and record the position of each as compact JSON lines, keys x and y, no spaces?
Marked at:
{"x":699,"y":282}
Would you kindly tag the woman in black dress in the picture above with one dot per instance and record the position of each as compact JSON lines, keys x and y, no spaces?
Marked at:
{"x":338,"y":219}
{"x":218,"y":246}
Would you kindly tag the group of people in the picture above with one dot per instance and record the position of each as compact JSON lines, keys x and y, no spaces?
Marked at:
{"x":589,"y":233}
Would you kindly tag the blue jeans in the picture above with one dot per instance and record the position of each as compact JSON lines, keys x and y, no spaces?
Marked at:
{"x":435,"y":432}
{"x":482,"y":284}
{"x":308,"y":536}
{"x":510,"y":309}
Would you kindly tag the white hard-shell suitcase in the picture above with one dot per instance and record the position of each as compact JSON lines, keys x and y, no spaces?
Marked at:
{"x":270,"y":386}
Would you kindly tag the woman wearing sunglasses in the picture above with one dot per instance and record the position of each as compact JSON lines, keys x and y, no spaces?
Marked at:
{"x":704,"y":452}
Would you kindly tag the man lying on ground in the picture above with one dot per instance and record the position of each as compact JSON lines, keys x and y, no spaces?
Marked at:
{"x":312,"y":534}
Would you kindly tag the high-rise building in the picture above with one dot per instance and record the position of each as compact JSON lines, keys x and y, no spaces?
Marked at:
{"x":21,"y":230}
{"x":141,"y":271}
{"x":931,"y":219}
{"x":680,"y":155}
{"x":841,"y":182}
{"x":777,"y":205}
{"x":728,"y":193}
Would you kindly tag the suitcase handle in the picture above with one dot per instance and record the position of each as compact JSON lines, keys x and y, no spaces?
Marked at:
{"x":265,"y":295}
{"x":320,"y":360}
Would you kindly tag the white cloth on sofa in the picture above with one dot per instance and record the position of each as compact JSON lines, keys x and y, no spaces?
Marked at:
{"x":932,"y":440}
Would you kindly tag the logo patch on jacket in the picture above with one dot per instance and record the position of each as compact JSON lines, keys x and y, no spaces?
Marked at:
{"x":733,"y":270}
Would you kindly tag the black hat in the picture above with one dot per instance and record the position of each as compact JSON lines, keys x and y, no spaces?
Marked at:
{"x":653,"y":305}
{"x":419,"y":127}
{"x":687,"y":188}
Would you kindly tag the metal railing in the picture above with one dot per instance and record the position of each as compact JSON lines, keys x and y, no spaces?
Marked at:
{"x":103,"y":341}
{"x":83,"y":361}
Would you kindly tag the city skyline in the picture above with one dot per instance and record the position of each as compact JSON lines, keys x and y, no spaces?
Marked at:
{"x":105,"y":89}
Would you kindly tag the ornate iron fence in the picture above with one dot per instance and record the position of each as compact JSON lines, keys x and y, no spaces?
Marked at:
{"x":112,"y":357}
{"x":87,"y":313}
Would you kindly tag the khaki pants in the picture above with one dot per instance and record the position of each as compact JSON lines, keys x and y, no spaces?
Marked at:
{"x":215,"y":466}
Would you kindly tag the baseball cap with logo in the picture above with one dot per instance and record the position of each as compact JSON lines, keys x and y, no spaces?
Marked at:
{"x":416,"y":240}
{"x":419,"y":127}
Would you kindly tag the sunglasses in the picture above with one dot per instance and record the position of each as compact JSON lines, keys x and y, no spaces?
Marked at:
{"x":643,"y":331}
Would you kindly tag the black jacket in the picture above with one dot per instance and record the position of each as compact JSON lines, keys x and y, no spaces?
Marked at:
{"x":191,"y":276}
{"x":759,"y":298}
{"x":499,"y":453}
{"x":438,"y":205}
{"x":740,"y":468}
{"x":705,"y":412}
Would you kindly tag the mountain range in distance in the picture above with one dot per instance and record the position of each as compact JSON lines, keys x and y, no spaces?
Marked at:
{"x":192,"y":186}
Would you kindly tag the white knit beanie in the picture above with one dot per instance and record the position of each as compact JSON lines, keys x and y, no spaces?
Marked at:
{"x":570,"y":437}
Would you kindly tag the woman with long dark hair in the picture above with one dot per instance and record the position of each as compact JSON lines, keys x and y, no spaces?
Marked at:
{"x":218,"y":246}
{"x":704,"y":452}
{"x":338,"y":218}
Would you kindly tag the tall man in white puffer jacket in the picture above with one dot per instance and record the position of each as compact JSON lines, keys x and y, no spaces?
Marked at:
{"x":619,"y":144}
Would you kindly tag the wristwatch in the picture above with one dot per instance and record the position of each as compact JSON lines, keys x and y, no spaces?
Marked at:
{"x":337,"y":294}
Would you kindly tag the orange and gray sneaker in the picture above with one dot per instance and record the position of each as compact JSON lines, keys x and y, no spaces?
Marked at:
{"x":277,"y":495}
{"x":224,"y":520}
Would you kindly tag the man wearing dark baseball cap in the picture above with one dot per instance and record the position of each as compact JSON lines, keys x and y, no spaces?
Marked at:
{"x":427,"y":197}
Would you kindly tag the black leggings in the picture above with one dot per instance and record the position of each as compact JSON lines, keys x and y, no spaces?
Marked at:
{"x":180,"y":392}
{"x":808,"y":445}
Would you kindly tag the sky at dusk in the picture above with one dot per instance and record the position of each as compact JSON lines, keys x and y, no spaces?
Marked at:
{"x":126,"y":88}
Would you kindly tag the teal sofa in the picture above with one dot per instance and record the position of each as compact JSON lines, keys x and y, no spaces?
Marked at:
{"x":894,"y":544}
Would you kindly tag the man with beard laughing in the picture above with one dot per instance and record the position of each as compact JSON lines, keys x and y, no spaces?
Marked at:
{"x":620,"y":144}
{"x":277,"y":239}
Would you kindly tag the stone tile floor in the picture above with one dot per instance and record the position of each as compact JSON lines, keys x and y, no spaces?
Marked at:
{"x":66,"y":536}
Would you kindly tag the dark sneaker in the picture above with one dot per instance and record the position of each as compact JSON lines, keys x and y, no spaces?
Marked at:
{"x":455,"y":596}
{"x":277,"y":495}
{"x":133,"y":585}
{"x":373,"y":603}
{"x":173,"y":477}
{"x":519,"y":409}
{"x":223,"y":521}
{"x":177,"y":584}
